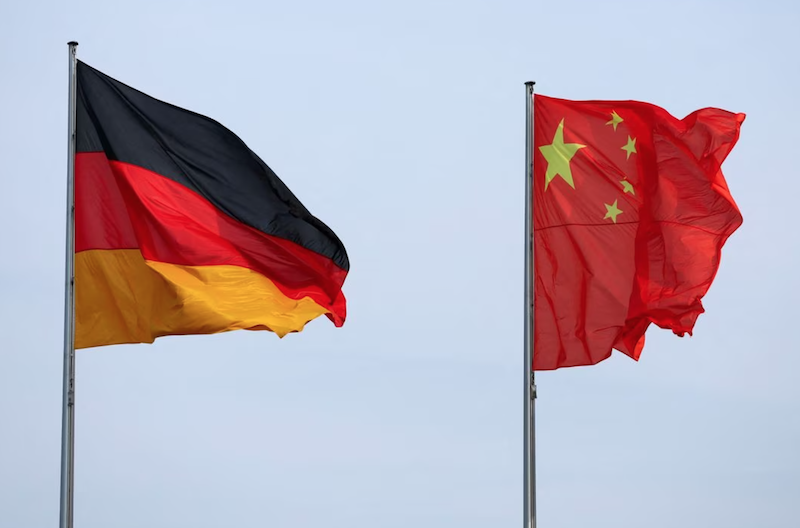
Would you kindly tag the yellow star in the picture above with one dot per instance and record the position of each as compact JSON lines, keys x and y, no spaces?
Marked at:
{"x":558,"y":155}
{"x":627,"y":186}
{"x":615,"y":120}
{"x":630,"y":147}
{"x":612,"y":212}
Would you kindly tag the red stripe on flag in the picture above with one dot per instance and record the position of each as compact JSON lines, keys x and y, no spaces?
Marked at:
{"x":122,"y":206}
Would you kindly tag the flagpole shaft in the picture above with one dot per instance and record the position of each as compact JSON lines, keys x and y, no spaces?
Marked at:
{"x":529,"y":394}
{"x":68,"y":396}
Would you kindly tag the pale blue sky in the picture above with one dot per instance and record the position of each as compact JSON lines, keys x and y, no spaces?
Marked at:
{"x":401,"y":125}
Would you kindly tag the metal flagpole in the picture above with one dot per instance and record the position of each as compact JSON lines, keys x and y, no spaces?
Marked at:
{"x":68,"y":397}
{"x":529,"y":394}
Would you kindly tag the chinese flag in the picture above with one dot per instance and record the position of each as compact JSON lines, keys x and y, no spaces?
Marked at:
{"x":631,"y":211}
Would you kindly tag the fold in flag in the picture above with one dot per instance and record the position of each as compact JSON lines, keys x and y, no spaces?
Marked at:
{"x":181,"y":229}
{"x":631,"y":213}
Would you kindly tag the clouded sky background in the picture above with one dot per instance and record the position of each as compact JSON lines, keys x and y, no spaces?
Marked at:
{"x":401,"y":125}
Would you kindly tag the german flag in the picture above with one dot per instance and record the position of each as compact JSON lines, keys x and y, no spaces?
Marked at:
{"x":181,"y":229}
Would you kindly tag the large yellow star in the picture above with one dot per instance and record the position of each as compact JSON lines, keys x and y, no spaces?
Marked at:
{"x":615,"y":120}
{"x":612,"y":211}
{"x":558,"y":155}
{"x":627,"y":187}
{"x":630,"y":147}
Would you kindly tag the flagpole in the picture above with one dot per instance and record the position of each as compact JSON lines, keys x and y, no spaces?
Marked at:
{"x":68,"y":396}
{"x":529,"y":394}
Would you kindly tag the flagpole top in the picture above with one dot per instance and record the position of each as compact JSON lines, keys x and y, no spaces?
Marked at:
{"x":530,"y":83}
{"x":72,"y":43}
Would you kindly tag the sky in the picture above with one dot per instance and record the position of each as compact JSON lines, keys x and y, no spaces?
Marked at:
{"x":401,"y":126}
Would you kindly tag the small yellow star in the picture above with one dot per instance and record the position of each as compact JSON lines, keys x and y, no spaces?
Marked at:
{"x":612,"y":211}
{"x":630,"y":147}
{"x":628,"y":188}
{"x":558,"y":155}
{"x":615,"y":120}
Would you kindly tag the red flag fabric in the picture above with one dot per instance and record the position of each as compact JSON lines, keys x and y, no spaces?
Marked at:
{"x":631,"y":211}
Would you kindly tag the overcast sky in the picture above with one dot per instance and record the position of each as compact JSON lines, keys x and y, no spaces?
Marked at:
{"x":401,"y":125}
